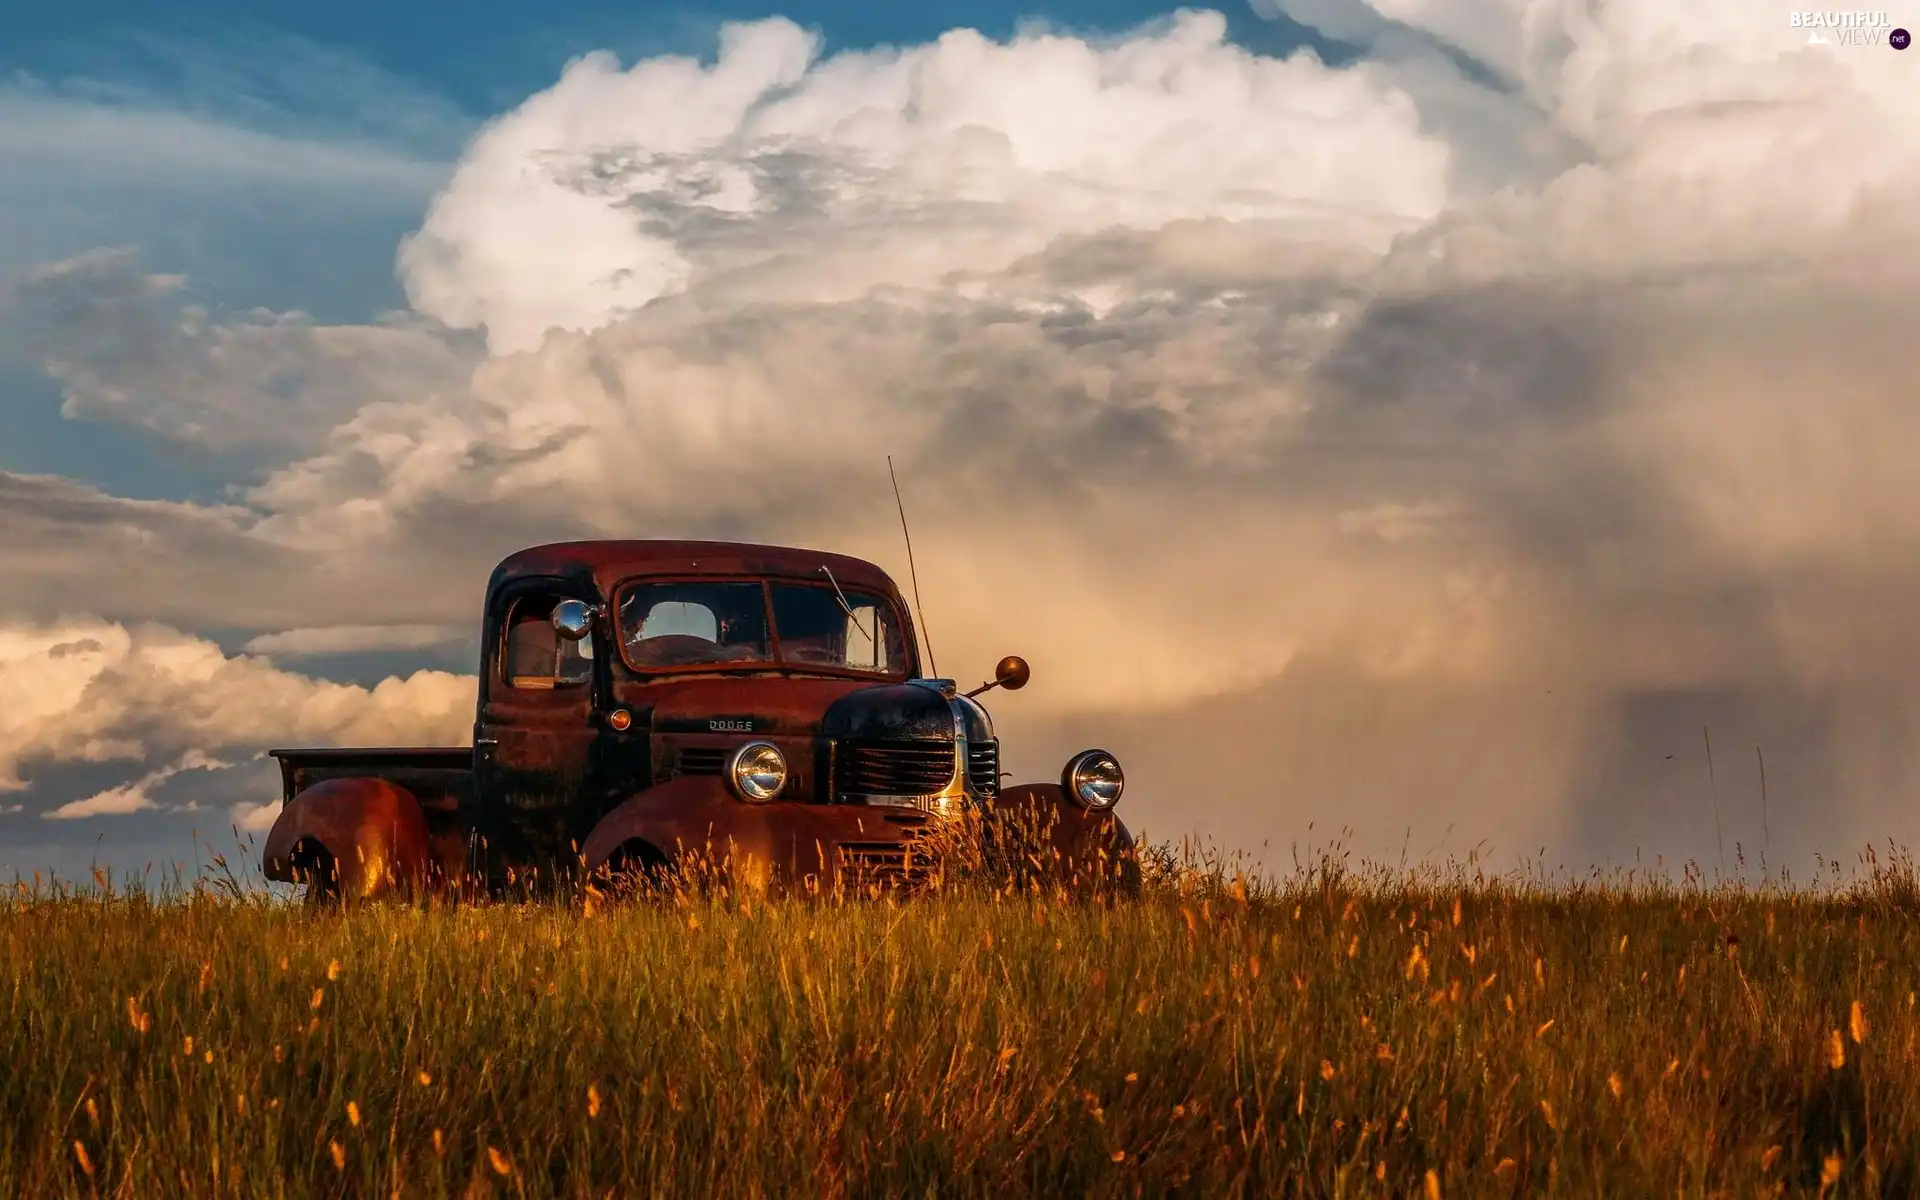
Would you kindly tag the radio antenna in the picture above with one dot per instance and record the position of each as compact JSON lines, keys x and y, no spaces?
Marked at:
{"x":920,"y":614}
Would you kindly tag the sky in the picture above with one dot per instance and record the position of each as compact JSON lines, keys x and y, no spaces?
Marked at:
{"x":1439,"y":426}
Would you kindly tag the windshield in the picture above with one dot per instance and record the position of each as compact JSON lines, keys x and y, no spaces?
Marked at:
{"x":726,"y":623}
{"x":828,"y":627}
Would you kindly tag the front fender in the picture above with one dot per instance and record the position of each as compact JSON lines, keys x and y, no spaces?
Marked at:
{"x":374,"y":831}
{"x":1085,"y":843}
{"x":695,"y":819}
{"x":688,"y":816}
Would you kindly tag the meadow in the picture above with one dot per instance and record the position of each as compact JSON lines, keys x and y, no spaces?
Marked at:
{"x":1337,"y":1032}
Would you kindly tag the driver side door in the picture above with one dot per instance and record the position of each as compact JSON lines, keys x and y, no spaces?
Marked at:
{"x":535,"y":732}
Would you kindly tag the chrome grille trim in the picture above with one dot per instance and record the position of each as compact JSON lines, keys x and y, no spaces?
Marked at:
{"x":983,"y":768}
{"x":893,"y":768}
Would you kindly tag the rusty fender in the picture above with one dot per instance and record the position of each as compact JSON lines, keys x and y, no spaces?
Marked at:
{"x":375,"y":832}
{"x":696,"y":815}
{"x":1084,"y":839}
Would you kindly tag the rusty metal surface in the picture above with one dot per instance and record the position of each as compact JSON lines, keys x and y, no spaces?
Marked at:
{"x":609,"y":562}
{"x":698,"y":815}
{"x":774,"y":704}
{"x":1078,"y":833}
{"x":440,"y":779}
{"x":374,"y":830}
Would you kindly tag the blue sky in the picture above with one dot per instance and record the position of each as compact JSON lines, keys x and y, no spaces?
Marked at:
{"x":486,"y":56}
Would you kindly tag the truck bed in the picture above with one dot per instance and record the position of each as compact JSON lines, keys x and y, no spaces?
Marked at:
{"x":441,"y":778}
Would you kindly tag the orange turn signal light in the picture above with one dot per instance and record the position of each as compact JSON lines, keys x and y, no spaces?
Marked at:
{"x":620,"y":719}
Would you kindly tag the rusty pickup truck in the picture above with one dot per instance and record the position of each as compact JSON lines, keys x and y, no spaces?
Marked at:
{"x":642,"y":703}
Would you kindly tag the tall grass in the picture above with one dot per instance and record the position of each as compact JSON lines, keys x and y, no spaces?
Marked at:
{"x":1332,"y":1033}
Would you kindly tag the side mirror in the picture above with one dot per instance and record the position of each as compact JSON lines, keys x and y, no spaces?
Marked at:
{"x":573,"y":619}
{"x":1011,"y":673}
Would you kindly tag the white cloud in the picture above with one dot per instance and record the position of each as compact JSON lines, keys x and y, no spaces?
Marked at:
{"x":178,"y":144}
{"x":1693,"y":129}
{"x":86,"y":690}
{"x":136,"y":796}
{"x":255,"y":818}
{"x":350,"y":639}
{"x":819,"y":178}
{"x":130,"y":347}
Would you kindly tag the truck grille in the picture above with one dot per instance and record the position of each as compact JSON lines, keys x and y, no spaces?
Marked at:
{"x":983,"y":767}
{"x":890,"y":863}
{"x":893,"y":768}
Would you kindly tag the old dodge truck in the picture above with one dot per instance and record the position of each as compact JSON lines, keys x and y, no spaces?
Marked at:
{"x":642,"y":703}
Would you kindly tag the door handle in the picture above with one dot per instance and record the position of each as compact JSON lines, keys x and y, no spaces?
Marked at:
{"x":483,"y":742}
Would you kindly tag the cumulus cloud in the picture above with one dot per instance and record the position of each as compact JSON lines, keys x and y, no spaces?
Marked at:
{"x":136,"y":796}
{"x":127,"y":346}
{"x":92,"y":691}
{"x":350,"y":639}
{"x":1355,"y":410}
{"x":256,"y":818}
{"x":819,"y":179}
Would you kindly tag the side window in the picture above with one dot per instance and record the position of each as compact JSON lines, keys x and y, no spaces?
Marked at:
{"x":537,"y":658}
{"x":865,"y":641}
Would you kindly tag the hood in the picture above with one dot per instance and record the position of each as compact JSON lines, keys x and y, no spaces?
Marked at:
{"x":765,"y":704}
{"x":924,"y":710}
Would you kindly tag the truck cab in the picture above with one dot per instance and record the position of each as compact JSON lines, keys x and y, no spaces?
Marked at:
{"x":643,"y":704}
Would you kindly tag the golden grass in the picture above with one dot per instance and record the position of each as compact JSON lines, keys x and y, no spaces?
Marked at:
{"x":1323,"y":1035}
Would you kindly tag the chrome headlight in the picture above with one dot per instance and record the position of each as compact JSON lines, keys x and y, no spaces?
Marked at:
{"x":1094,"y":778}
{"x":757,"y":771}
